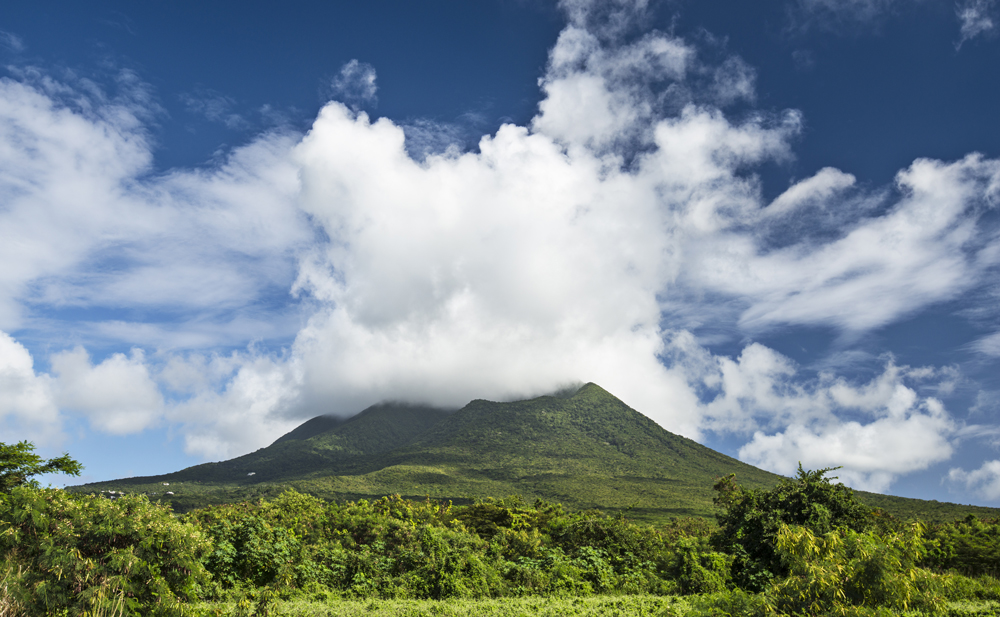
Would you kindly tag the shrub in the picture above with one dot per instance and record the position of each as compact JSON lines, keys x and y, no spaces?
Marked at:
{"x":698,"y":569}
{"x":749,"y":525}
{"x":843,"y":570}
{"x":251,"y":551}
{"x":86,"y":553}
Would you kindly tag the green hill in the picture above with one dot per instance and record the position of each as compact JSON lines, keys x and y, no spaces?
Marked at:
{"x":585,"y":450}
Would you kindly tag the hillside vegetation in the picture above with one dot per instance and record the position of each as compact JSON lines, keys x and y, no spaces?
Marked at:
{"x":584,"y":450}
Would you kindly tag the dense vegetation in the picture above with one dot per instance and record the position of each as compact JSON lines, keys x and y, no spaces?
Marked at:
{"x":803,"y":547}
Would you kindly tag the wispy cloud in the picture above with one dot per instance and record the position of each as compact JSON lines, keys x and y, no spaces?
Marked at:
{"x":11,"y":42}
{"x":214,"y":106}
{"x":355,"y":84}
{"x":977,"y":18}
{"x":840,"y":15}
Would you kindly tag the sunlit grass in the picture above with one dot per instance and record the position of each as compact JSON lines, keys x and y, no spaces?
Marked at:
{"x":604,"y":606}
{"x":713,"y":605}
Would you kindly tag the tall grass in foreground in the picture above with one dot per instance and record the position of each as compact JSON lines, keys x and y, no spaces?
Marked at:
{"x":731,"y":604}
{"x":630,"y":606}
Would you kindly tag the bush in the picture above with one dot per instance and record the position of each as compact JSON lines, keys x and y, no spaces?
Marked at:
{"x":86,"y":553}
{"x":251,"y":551}
{"x":845,"y":570}
{"x":697,"y":568}
{"x":749,"y":525}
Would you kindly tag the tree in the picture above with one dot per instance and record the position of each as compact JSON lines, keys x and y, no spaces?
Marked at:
{"x":19,"y":462}
{"x":748,"y":529}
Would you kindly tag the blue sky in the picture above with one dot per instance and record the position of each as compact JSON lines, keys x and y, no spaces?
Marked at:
{"x":771,"y":227}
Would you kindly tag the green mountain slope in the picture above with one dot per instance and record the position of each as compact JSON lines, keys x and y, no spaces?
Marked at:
{"x":310,"y":450}
{"x":585,"y":450}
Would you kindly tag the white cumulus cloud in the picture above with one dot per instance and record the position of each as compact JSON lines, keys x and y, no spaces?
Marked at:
{"x":28,"y":407}
{"x":984,"y":481}
{"x":117,"y":396}
{"x":876,"y":431}
{"x":248,"y":412}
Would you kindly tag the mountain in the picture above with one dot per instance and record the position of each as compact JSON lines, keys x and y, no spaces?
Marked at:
{"x":585,"y":449}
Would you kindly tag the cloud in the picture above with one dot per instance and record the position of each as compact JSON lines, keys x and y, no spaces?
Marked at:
{"x":27,"y":403}
{"x":85,"y":223}
{"x":11,"y":42}
{"x":250,"y":410}
{"x":988,"y":345}
{"x":825,"y":184}
{"x":608,"y":19}
{"x":734,"y":80}
{"x":355,"y":85}
{"x":117,"y":396}
{"x":976,"y":18}
{"x":214,"y":106}
{"x":598,"y":96}
{"x":482,"y":266}
{"x":839,"y":14}
{"x":56,"y":199}
{"x":925,"y":248}
{"x":984,"y":481}
{"x":872,"y":454}
{"x":425,"y":137}
{"x":876,"y":431}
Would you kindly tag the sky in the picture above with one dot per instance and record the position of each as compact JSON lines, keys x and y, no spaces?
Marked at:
{"x":771,"y":227}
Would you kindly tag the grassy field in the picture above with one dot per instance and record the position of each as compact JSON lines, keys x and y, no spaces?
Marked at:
{"x":623,"y":606}
{"x":715,"y":605}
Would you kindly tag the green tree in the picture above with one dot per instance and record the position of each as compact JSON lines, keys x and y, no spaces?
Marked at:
{"x":970,"y":546}
{"x":749,"y":525}
{"x":19,"y":462}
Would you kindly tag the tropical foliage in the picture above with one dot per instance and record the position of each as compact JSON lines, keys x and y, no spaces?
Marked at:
{"x":804,"y":547}
{"x":19,"y":464}
{"x":752,"y":520}
{"x":67,"y":554}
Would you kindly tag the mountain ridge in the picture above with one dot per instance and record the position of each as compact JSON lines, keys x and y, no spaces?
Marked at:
{"x":587,"y":450}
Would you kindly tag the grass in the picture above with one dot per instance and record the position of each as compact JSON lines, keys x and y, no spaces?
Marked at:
{"x":624,"y":606}
{"x":592,"y":606}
